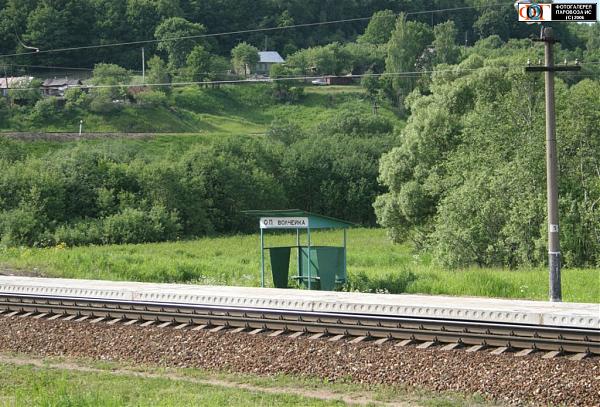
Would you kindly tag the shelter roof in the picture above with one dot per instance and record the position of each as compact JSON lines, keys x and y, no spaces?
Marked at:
{"x":270,"y":57}
{"x":59,"y":82}
{"x":315,"y":221}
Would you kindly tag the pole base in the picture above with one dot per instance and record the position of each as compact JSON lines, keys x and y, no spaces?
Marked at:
{"x":554,"y":268}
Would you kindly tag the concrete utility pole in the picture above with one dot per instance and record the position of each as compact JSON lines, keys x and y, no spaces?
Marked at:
{"x":547,"y":37}
{"x":143,"y":66}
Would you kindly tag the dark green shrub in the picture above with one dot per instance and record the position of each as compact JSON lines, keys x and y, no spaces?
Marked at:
{"x":391,"y":283}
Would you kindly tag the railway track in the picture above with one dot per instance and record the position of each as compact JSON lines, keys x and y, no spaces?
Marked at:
{"x":335,"y":326}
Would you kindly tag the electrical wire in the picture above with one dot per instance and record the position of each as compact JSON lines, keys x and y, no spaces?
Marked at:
{"x":293,"y":78}
{"x":118,"y":44}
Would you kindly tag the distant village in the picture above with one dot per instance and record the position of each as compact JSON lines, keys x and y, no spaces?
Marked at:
{"x":57,"y":86}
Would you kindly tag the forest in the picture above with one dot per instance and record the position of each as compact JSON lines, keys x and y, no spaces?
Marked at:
{"x":458,"y":170}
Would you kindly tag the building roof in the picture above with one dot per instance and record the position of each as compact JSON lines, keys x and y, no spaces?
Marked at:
{"x":272,"y":57}
{"x":14,"y":81}
{"x":59,"y":82}
{"x":315,"y":221}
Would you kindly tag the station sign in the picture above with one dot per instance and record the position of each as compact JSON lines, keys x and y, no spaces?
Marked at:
{"x":531,"y":12}
{"x":284,"y":223}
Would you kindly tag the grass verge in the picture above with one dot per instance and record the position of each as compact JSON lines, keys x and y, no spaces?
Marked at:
{"x":374,"y":264}
{"x":58,"y":381}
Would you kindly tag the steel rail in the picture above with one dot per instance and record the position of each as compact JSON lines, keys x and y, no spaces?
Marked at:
{"x":437,"y":330}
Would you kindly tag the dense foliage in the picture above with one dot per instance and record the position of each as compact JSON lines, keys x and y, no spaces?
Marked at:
{"x":468,"y":178}
{"x":86,"y":195}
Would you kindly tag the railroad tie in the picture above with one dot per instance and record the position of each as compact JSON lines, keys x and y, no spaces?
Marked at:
{"x":405,"y":342}
{"x":199,"y":327}
{"x":40,"y":316}
{"x":579,"y":356}
{"x":95,"y":321}
{"x":165,"y":324}
{"x":276,"y":333}
{"x":381,"y":341}
{"x":27,"y":314}
{"x":242,"y":329}
{"x":525,"y":352}
{"x":500,"y":350}
{"x":114,"y":321}
{"x":476,"y":348}
{"x":452,"y":346}
{"x":358,"y":339}
{"x":426,"y":345}
{"x":552,"y":354}
{"x":181,"y":326}
{"x":256,"y":331}
{"x":336,"y":338}
{"x":296,"y":334}
{"x":217,"y":328}
{"x":317,"y":336}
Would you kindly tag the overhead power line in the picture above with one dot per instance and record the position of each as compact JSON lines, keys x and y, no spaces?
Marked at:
{"x":286,"y":27}
{"x":289,"y":78}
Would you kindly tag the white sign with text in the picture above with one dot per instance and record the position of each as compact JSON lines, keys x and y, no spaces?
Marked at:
{"x":283,"y":223}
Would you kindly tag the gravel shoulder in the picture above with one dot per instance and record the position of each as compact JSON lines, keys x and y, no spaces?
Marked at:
{"x":502,"y":379}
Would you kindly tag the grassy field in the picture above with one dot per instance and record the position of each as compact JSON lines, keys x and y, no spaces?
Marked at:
{"x":246,"y":109}
{"x":56,"y":382}
{"x":374,"y":264}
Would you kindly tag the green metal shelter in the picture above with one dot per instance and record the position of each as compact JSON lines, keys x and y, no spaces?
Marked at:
{"x":318,"y":267}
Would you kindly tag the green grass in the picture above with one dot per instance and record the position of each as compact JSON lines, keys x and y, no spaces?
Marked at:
{"x":84,"y":382}
{"x":30,"y":386}
{"x":374,"y":264}
{"x":243,"y":109}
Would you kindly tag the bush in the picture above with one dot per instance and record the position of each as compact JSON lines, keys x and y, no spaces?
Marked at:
{"x":101,"y":101}
{"x":138,"y":226}
{"x":391,"y":283}
{"x":76,"y":99}
{"x":80,"y":233}
{"x":46,"y":109}
{"x":151,"y":98}
{"x":20,"y":226}
{"x":4,"y":110}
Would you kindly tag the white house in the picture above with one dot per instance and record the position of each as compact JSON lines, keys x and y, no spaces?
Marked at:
{"x":267,"y":58}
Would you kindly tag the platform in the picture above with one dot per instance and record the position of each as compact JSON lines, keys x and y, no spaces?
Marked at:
{"x":424,"y":306}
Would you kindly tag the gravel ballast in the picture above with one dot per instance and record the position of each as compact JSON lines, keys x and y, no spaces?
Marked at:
{"x":505,"y":378}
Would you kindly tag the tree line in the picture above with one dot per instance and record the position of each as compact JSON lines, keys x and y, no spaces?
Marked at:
{"x":97,"y":195}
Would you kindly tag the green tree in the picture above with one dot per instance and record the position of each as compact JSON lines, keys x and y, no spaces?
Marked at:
{"x":444,"y":43}
{"x":111,"y":80}
{"x":144,"y":16}
{"x":408,"y":41}
{"x":199,"y":63}
{"x":173,"y":35}
{"x":158,"y":72}
{"x":380,"y":28}
{"x":244,"y":56}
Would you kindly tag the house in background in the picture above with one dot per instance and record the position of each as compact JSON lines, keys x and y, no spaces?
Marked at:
{"x":267,"y":58}
{"x":12,"y":82}
{"x":58,"y":86}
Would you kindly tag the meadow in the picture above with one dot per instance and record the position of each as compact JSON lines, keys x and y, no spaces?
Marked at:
{"x":374,"y":265}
